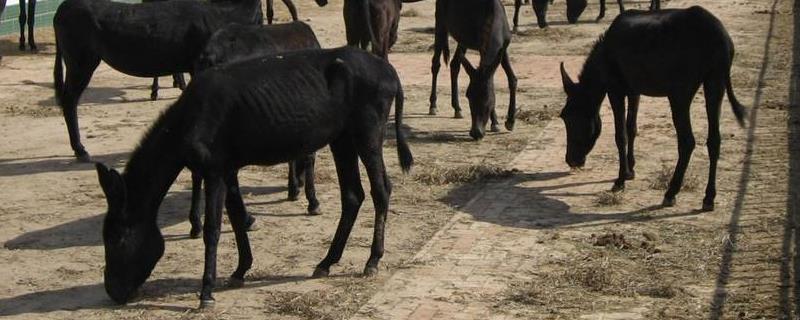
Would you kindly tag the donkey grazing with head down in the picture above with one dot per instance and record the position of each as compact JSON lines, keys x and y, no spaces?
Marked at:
{"x":256,"y":112}
{"x":667,"y":53}
{"x":239,"y":42}
{"x":479,"y":25}
{"x":574,"y":10}
{"x":144,"y":40}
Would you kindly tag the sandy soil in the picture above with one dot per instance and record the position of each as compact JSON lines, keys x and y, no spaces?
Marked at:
{"x":51,"y":208}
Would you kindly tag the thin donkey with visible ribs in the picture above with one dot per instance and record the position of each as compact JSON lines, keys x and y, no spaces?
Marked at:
{"x":479,"y":25}
{"x":668,"y":53}
{"x":237,"y":43}
{"x":256,"y":112}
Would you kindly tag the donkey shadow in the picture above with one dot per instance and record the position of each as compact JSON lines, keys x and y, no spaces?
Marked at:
{"x":11,"y":167}
{"x":93,"y":296}
{"x":539,"y":208}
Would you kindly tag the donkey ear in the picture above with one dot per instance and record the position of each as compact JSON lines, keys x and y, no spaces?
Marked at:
{"x":566,"y":80}
{"x":113,"y":185}
{"x":340,"y":80}
{"x":468,"y":67}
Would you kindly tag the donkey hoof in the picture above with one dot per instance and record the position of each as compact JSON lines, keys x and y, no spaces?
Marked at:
{"x":708,"y":206}
{"x":320,"y":273}
{"x":458,"y":115}
{"x":370,"y":271}
{"x":33,"y":47}
{"x":618,"y":187}
{"x":207,"y":304}
{"x":494,"y":128}
{"x":234,"y":282}
{"x":195,"y":233}
{"x":432,"y":111}
{"x":250,"y":225}
{"x":630,"y":175}
{"x":83,"y":156}
{"x":314,"y":211}
{"x":510,"y":125}
{"x":668,"y":202}
{"x":293,"y":196}
{"x":153,"y":96}
{"x":22,"y":47}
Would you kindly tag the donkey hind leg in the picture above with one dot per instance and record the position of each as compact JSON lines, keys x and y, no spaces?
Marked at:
{"x":31,"y":24}
{"x":215,"y":197}
{"x":292,"y":9}
{"x":352,"y":195}
{"x":620,"y":138}
{"x":239,"y":219}
{"x":512,"y":90}
{"x":194,"y":210}
{"x":435,"y":66}
{"x":621,"y":6}
{"x":178,"y":81}
{"x":77,"y":79}
{"x":633,"y":110}
{"x":23,"y":19}
{"x":713,"y":90}
{"x":455,"y":67}
{"x":154,"y":89}
{"x":270,"y":11}
{"x":681,"y":119}
{"x":371,"y":153}
{"x":655,"y":5}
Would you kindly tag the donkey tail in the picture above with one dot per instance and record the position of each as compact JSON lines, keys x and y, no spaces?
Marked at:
{"x":403,"y":151}
{"x":58,"y":75}
{"x":738,"y":109}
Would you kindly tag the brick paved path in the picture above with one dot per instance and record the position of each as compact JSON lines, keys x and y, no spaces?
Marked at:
{"x":493,"y":241}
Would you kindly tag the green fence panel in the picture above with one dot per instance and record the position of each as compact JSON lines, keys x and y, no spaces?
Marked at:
{"x":45,"y":9}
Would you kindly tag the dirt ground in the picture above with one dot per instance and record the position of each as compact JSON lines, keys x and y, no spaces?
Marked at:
{"x":51,"y":207}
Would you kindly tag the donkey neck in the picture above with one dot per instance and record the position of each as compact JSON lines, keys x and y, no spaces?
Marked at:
{"x":152,"y":169}
{"x":594,"y":76}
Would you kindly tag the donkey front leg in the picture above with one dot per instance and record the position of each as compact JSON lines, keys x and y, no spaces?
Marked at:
{"x":655,"y":5}
{"x":455,"y":67}
{"x":621,"y":6}
{"x":307,"y":167}
{"x":238,"y":217}
{"x":435,"y":66}
{"x":215,"y":197}
{"x":620,"y":137}
{"x":31,"y":24}
{"x":512,"y":90}
{"x":517,"y":5}
{"x":352,"y":195}
{"x":292,"y":9}
{"x":633,"y":110}
{"x":681,"y":119}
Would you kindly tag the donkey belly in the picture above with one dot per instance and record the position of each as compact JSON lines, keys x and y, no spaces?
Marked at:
{"x":146,"y":63}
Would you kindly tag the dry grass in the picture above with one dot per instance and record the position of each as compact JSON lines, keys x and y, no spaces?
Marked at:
{"x":608,"y":198}
{"x":691,"y":181}
{"x":32,"y":111}
{"x":324,"y":304}
{"x":535,"y":116}
{"x":437,"y":175}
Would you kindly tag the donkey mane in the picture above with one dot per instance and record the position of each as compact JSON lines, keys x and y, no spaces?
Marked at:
{"x":593,"y":71}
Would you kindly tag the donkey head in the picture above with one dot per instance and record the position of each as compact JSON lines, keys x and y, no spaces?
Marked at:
{"x":480,"y":94}
{"x":582,"y":120}
{"x":132,"y":247}
{"x":322,"y":3}
{"x":574,"y":9}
